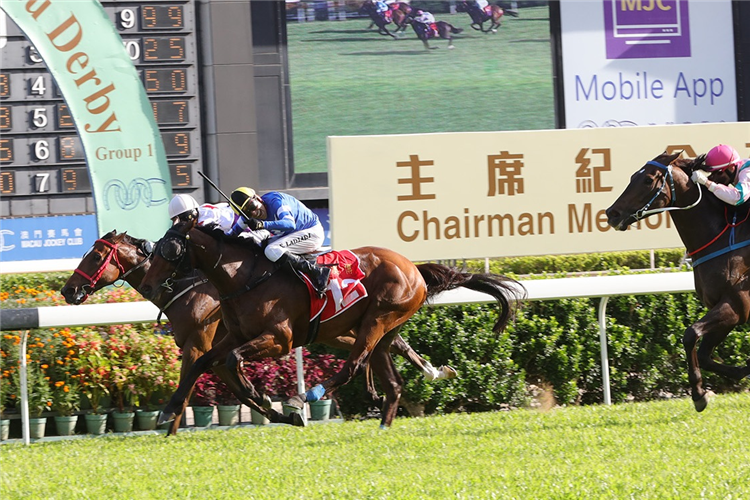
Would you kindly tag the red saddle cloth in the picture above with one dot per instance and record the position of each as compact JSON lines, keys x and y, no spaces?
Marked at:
{"x":344,"y":286}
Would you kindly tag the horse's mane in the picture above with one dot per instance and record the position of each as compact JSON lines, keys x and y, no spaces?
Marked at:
{"x":216,"y":233}
{"x":146,"y":246}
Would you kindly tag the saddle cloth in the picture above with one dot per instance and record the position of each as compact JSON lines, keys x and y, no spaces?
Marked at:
{"x":344,"y":286}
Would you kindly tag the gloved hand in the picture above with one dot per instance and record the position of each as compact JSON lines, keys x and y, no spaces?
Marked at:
{"x":699,"y":177}
{"x":255,"y":224}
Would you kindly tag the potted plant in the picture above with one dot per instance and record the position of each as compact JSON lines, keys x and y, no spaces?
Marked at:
{"x":66,"y":400}
{"x":203,"y":399}
{"x":39,"y":397}
{"x":228,"y":405}
{"x":5,"y":391}
{"x":156,"y":372}
{"x":93,"y":372}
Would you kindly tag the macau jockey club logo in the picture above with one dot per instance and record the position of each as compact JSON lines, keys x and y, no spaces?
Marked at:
{"x":131,"y":196}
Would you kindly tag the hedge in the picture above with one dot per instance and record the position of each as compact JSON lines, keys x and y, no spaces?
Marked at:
{"x":550,"y":351}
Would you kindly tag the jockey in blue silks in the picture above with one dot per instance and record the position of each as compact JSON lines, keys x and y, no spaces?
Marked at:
{"x":295,"y":230}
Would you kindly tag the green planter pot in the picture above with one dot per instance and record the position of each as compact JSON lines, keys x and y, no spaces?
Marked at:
{"x":229,"y":415}
{"x":123,"y":422}
{"x":258,"y":418}
{"x":96,"y":423}
{"x":203,"y":416}
{"x":37,"y":426}
{"x":4,"y":429}
{"x":66,"y":424}
{"x":147,"y":419}
{"x":320,"y":410}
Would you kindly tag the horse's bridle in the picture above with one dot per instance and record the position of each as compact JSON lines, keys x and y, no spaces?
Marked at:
{"x":667,"y":177}
{"x":94,"y":279}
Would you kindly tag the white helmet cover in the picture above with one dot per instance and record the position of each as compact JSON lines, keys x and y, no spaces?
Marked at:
{"x":180,"y":204}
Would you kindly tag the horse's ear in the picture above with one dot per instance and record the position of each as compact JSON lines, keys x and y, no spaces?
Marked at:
{"x":110,"y":235}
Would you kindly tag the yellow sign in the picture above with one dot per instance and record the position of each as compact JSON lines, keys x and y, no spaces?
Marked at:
{"x":500,"y":194}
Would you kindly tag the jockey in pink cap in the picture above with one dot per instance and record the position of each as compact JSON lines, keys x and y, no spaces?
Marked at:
{"x":732,"y":174}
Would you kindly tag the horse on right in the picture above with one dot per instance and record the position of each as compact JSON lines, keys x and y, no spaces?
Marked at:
{"x":492,"y":13}
{"x":716,"y":236}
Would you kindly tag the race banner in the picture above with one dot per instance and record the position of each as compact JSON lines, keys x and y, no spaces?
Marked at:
{"x":504,"y":194}
{"x":114,"y":119}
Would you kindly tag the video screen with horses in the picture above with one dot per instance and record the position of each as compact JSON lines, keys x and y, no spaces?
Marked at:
{"x":357,"y":70}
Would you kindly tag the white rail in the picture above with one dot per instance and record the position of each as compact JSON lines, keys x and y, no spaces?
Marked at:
{"x":542,"y":289}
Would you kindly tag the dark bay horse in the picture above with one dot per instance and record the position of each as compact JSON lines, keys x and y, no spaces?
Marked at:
{"x":709,"y":228}
{"x":494,"y":14}
{"x":193,"y":305}
{"x":267,"y":311}
{"x":439,"y":29}
{"x":398,"y":15}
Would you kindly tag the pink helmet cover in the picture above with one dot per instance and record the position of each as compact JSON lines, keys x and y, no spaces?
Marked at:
{"x":722,"y":156}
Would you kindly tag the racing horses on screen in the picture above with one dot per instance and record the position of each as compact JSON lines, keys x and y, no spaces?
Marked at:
{"x":268,"y":312}
{"x":716,"y":236}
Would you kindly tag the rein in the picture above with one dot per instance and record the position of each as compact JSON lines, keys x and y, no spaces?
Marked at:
{"x":645,"y":212}
{"x":732,"y":245}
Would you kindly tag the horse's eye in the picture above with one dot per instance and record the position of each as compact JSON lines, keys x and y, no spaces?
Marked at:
{"x":172,"y":249}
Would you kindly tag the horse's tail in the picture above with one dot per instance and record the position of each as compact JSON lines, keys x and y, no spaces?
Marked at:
{"x":455,"y":30}
{"x":507,"y":291}
{"x":510,"y":12}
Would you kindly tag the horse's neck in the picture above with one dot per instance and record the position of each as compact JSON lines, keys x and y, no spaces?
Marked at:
{"x":135,"y":277}
{"x":699,"y":225}
{"x":226,"y":265}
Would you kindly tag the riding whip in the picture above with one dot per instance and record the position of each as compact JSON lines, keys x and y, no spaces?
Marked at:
{"x":231,"y":203}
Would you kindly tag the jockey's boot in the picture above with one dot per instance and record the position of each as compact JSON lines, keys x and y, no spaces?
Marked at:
{"x":318,"y":274}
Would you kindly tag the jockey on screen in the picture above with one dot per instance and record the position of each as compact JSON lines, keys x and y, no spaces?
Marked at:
{"x":295,"y":230}
{"x":725,"y":163}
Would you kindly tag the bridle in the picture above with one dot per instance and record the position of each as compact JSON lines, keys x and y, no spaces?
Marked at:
{"x":667,"y":177}
{"x":89,"y":287}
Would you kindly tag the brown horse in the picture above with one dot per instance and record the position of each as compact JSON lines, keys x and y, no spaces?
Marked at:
{"x":396,"y":14}
{"x":267,"y":312}
{"x":493,"y":13}
{"x":193,"y":305}
{"x":439,"y":29}
{"x":708,"y":227}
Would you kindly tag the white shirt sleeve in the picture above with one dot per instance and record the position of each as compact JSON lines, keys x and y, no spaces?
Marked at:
{"x":220,"y":215}
{"x":736,"y":194}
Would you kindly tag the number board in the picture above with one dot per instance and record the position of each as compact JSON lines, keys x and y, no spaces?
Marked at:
{"x":41,"y":155}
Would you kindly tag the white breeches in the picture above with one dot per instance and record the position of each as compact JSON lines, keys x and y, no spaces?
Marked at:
{"x":298,"y":242}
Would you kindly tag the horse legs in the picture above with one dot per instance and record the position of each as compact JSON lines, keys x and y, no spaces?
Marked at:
{"x":400,"y":347}
{"x":189,"y":355}
{"x":262,"y":346}
{"x":712,"y":328}
{"x":384,"y":368}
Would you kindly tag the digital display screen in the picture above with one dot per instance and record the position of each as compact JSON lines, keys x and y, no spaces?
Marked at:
{"x":164,"y":48}
{"x":6,"y":150}
{"x":74,"y":180}
{"x":181,"y":175}
{"x":7,"y":182}
{"x":42,"y":154}
{"x":70,"y":148}
{"x":6,"y":117}
{"x":171,"y":112}
{"x":176,"y":143}
{"x":4,"y":85}
{"x":154,"y":17}
{"x":169,"y":80}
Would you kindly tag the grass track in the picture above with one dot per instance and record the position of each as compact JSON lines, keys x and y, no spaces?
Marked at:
{"x":346,"y":80}
{"x":653,"y":450}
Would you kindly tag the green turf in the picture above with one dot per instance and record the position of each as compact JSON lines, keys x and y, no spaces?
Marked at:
{"x":346,"y":80}
{"x":644,"y":451}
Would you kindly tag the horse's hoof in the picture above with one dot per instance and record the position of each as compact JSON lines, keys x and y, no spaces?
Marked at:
{"x":267,"y":402}
{"x":450,"y":47}
{"x":296,"y":402}
{"x":447,"y":372}
{"x":701,"y":403}
{"x":494,"y":31}
{"x":165,"y":417}
{"x":298,"y":420}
